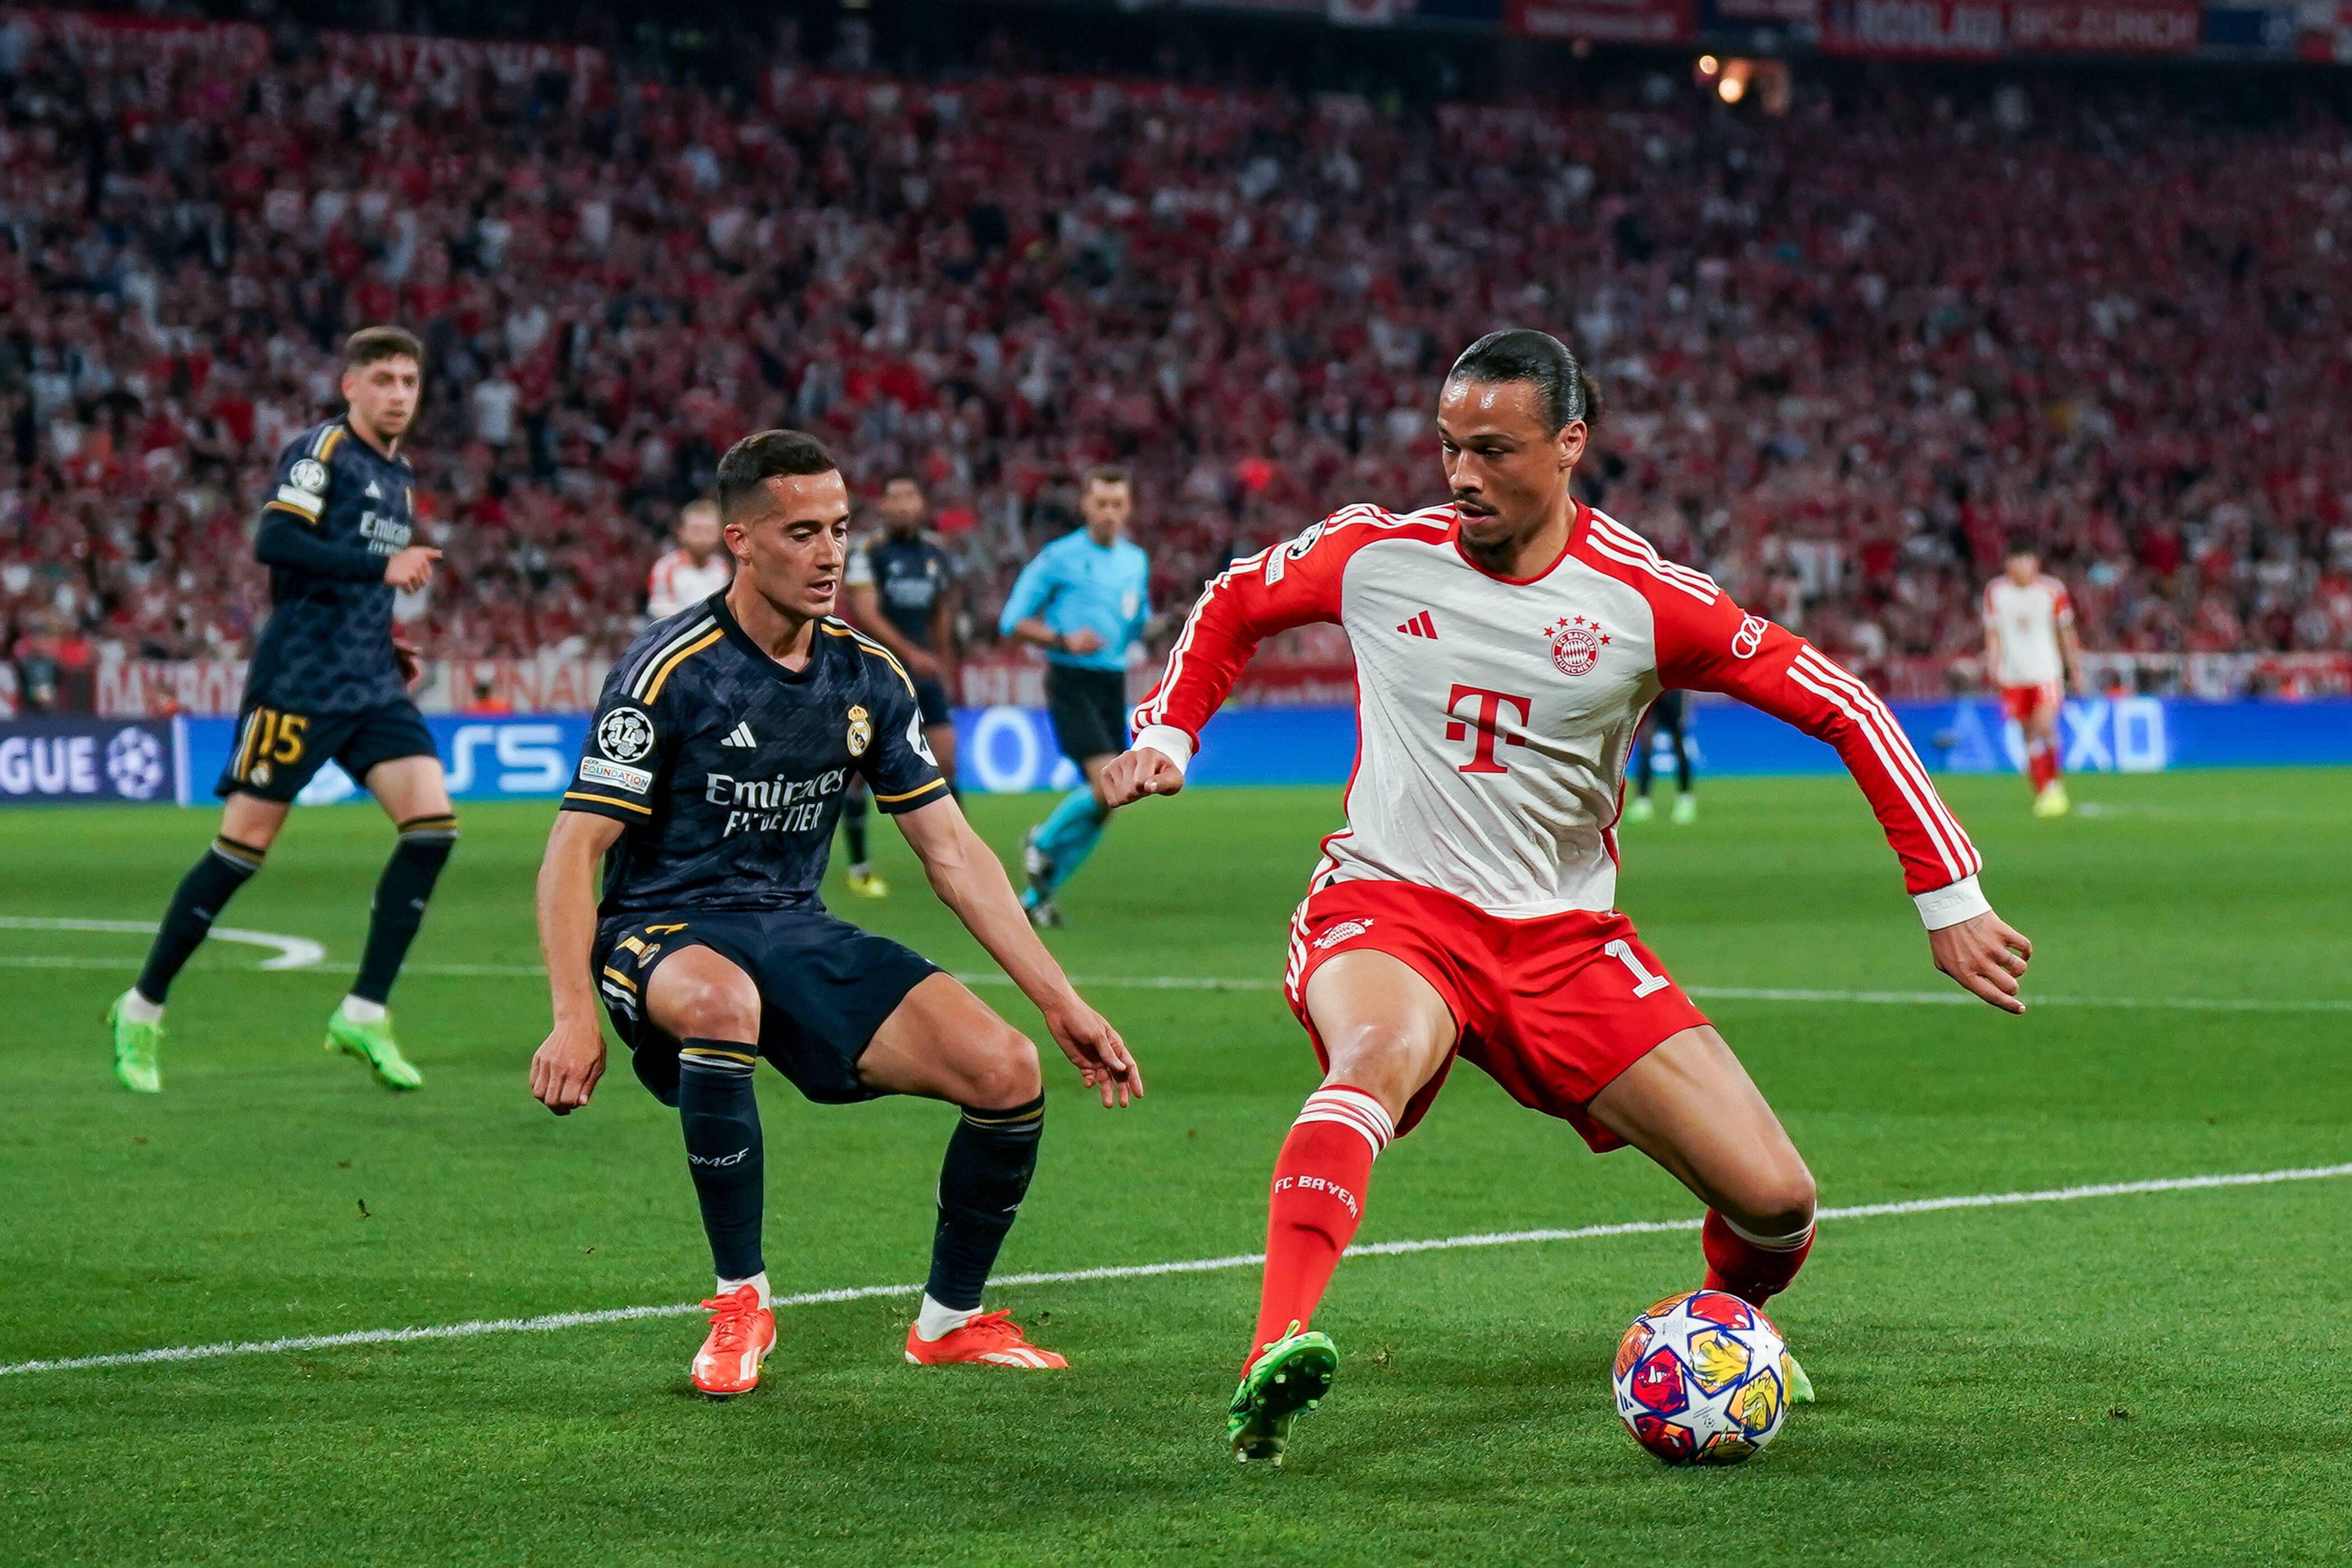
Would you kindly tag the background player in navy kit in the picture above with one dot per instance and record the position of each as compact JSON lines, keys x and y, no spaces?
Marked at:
{"x":723,"y":744}
{"x":1669,"y":717}
{"x":329,"y":680}
{"x":902,"y":592}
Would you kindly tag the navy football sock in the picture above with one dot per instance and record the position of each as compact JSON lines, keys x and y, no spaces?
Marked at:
{"x":990,"y":1158}
{"x":853,"y":826}
{"x":203,"y":893}
{"x":400,"y":896}
{"x":721,"y":1116}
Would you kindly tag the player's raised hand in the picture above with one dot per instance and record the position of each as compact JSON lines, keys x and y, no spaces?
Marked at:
{"x":1986,"y":955}
{"x":1101,"y":1057}
{"x":412,"y":568}
{"x":1132,"y":774}
{"x":565,"y":1068}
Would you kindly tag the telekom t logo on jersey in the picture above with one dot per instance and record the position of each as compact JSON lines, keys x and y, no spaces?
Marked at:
{"x":1486,"y":722}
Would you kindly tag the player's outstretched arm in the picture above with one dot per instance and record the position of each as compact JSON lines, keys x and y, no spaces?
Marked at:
{"x":565,"y":1069}
{"x":1706,"y":644}
{"x":970,"y":880}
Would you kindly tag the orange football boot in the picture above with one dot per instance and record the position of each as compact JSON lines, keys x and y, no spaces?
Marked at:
{"x":991,"y":1337}
{"x":742,"y":1332}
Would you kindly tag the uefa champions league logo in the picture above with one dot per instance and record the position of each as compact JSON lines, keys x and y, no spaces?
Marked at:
{"x":134,"y":762}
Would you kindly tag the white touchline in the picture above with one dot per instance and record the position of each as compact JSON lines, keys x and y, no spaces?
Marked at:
{"x":1148,"y":1270}
{"x":293,"y":952}
{"x":300,"y":952}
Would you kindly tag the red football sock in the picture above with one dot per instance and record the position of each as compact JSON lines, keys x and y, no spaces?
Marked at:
{"x":2041,"y":764}
{"x":1319,"y":1197}
{"x":1753,"y":1271}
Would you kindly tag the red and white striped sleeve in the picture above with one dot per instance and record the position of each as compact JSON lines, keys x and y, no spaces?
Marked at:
{"x":1706,"y":643}
{"x":1291,"y":584}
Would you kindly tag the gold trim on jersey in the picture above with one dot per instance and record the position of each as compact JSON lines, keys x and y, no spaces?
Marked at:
{"x":607,"y":800}
{"x":308,"y":518}
{"x":653,"y":687}
{"x":876,"y":648}
{"x":894,"y":799}
{"x":327,"y":441}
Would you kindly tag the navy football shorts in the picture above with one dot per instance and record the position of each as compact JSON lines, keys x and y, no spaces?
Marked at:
{"x":824,"y":987}
{"x":932,"y":699}
{"x":278,"y":751}
{"x":1088,"y":708}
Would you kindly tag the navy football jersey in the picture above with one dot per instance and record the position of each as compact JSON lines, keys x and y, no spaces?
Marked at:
{"x":338,"y":511}
{"x":910,"y":576}
{"x":729,"y":770}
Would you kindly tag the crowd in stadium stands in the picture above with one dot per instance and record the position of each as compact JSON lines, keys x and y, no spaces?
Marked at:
{"x":1845,"y":352}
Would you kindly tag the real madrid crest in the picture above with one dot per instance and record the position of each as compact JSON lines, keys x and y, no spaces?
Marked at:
{"x":1576,"y":644}
{"x":861,"y":732}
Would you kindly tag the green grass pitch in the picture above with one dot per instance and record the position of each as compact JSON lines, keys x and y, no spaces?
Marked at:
{"x":2156,"y":1378}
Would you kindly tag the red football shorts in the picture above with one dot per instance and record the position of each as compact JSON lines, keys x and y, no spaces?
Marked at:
{"x":2022,"y":703}
{"x":1552,"y":1009}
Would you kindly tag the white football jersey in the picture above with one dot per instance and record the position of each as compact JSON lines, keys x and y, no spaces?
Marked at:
{"x":1496,"y":715}
{"x":676,"y":582}
{"x":2024,"y":621}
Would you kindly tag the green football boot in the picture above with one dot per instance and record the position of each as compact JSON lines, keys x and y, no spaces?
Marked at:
{"x":1292,"y":1376}
{"x":1799,"y":1386}
{"x":138,"y":1051}
{"x":374,"y":1044}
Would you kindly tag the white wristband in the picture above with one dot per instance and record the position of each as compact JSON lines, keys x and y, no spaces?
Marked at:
{"x":1949,"y":906}
{"x":1169,"y":742}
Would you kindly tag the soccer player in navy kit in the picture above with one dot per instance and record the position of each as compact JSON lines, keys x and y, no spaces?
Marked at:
{"x":902,"y":591}
{"x":329,"y":680}
{"x":708,"y":788}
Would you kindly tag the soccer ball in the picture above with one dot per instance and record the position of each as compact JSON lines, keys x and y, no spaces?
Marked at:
{"x":1698,"y":1379}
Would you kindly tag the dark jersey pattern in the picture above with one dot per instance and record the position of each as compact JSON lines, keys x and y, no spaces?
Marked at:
{"x":729,"y":770}
{"x":338,"y":510}
{"x":910,"y":576}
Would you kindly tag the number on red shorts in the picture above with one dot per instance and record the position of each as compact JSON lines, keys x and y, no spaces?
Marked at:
{"x":1644,"y":981}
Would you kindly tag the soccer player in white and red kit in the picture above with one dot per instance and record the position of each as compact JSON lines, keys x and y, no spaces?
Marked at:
{"x":697,"y":569}
{"x":2030,"y":647}
{"x":1506,"y":646}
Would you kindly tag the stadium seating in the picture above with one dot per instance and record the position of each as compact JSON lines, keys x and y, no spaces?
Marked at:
{"x":1845,"y":351}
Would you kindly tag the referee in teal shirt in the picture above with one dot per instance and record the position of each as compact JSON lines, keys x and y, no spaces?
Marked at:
{"x":1083,"y":600}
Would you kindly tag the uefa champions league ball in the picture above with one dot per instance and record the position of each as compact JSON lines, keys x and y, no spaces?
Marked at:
{"x":1699,"y":1379}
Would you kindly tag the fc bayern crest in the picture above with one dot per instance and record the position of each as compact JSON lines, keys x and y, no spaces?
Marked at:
{"x":1576,"y":644}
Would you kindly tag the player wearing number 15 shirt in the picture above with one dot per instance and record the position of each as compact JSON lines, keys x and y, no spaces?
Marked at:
{"x":1506,"y":646}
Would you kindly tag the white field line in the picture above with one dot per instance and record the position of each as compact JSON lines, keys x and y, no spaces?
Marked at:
{"x":1952,"y":998}
{"x":292,"y":951}
{"x":552,"y":1321}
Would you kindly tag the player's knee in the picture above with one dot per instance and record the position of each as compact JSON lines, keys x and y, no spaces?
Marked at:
{"x":712,"y":1008}
{"x":1006,"y":1073}
{"x":1388,"y":1061}
{"x":1778,"y":1202}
